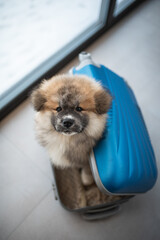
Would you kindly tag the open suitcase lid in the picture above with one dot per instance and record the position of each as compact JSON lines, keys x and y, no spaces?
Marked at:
{"x":123,"y":161}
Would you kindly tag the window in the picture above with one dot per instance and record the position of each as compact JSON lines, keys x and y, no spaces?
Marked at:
{"x":35,"y":35}
{"x":39,"y":35}
{"x":121,"y":5}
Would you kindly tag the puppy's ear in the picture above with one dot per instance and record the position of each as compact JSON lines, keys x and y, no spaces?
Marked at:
{"x":103,"y":101}
{"x":37,"y":99}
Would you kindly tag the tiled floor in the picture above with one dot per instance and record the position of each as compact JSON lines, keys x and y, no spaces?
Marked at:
{"x":28,"y":209}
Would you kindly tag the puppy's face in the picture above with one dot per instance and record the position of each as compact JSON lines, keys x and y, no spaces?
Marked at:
{"x":69,"y":117}
{"x":74,"y":103}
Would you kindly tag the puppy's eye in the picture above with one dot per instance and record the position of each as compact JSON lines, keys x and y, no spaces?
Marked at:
{"x":58,"y":109}
{"x":79,"y":109}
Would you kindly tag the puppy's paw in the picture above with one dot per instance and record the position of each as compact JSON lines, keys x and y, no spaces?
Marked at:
{"x":86,"y":176}
{"x":82,"y":199}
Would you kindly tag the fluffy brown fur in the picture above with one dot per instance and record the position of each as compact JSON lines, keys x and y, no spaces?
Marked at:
{"x":70,"y":117}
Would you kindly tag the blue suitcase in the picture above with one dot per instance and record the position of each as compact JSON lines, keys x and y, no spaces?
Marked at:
{"x":123,"y":162}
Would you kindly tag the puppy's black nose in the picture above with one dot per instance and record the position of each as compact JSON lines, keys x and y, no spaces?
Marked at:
{"x":68,"y":122}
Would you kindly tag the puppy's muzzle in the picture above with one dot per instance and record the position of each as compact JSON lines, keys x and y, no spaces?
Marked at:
{"x":68,"y":122}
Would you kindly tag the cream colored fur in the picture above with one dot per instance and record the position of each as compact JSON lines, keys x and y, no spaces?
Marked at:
{"x":56,"y":143}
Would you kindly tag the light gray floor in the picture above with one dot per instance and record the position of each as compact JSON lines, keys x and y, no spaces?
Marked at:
{"x":28,"y":209}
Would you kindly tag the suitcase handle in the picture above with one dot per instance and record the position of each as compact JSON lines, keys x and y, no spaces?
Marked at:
{"x":100,"y":215}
